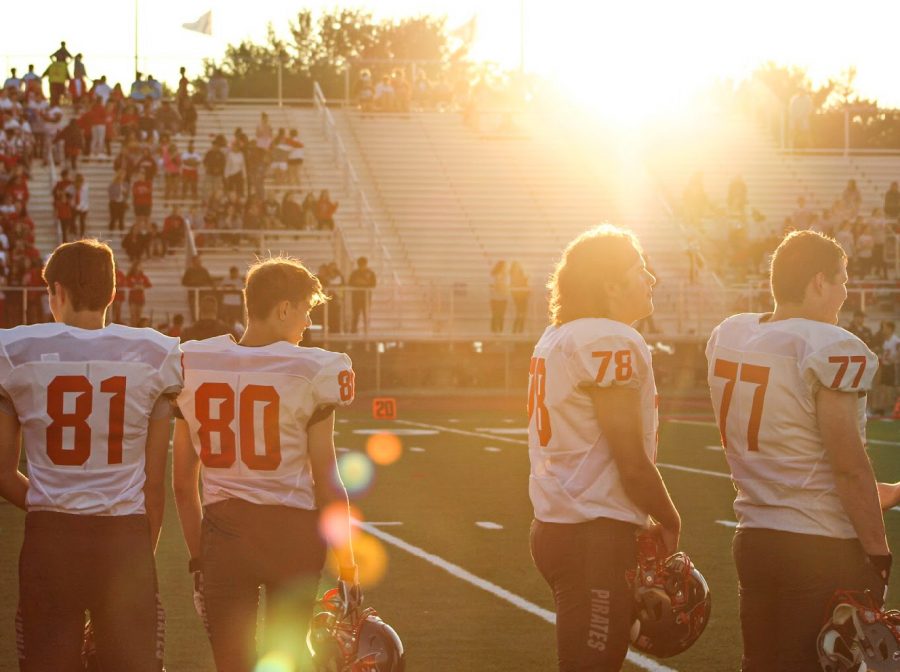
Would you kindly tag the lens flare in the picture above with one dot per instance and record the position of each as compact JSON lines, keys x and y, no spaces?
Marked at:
{"x":356,"y":471}
{"x":371,"y":558}
{"x":385,"y":448}
{"x":275,"y":662}
{"x":333,"y":523}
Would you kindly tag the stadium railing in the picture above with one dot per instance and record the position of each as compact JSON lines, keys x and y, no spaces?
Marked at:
{"x":365,"y":219}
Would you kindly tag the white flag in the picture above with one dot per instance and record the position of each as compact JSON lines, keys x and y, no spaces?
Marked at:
{"x":201,"y":25}
{"x":466,"y":32}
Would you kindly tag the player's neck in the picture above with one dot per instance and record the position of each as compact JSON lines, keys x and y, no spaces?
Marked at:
{"x":257,"y":337}
{"x":796,"y":310}
{"x":85,"y":319}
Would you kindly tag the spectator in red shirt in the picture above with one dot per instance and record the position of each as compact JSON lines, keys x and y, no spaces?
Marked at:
{"x":137,"y":282}
{"x":171,"y":160}
{"x":121,"y":288}
{"x":142,"y":199}
{"x":32,"y":278}
{"x":73,"y":142}
{"x":173,"y":228}
{"x":325,"y":209}
{"x":65,"y":213}
{"x":97,"y":117}
{"x":18,"y":187}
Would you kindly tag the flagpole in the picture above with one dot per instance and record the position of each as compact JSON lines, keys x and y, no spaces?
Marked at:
{"x":135,"y":38}
{"x":521,"y":36}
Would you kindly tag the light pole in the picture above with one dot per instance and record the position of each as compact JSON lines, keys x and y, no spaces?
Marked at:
{"x":135,"y":38}
{"x":521,"y":37}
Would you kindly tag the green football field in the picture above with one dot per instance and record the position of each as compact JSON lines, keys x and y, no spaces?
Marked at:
{"x":446,"y":527}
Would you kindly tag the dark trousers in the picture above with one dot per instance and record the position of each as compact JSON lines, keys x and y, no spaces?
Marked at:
{"x":117,"y":215}
{"x":498,"y":311}
{"x":248,"y":545}
{"x":786,"y":582}
{"x":81,"y":222}
{"x":585,"y":565}
{"x":359,"y":305}
{"x":104,"y":564}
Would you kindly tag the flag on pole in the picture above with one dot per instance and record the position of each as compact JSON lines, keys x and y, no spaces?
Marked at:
{"x":466,"y":32}
{"x":201,"y":25}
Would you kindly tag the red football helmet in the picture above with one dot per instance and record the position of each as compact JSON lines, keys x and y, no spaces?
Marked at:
{"x":859,"y":635}
{"x":671,"y":600}
{"x":354,"y":640}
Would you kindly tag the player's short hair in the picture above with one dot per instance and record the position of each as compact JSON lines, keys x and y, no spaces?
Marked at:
{"x":271,"y":281}
{"x":798,"y":259}
{"x":600,"y":255}
{"x":87,"y":270}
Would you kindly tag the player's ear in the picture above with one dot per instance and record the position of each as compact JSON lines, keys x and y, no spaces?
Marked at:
{"x":59,"y":292}
{"x":282,"y":309}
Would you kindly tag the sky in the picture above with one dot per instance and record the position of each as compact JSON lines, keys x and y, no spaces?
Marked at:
{"x":622,"y":53}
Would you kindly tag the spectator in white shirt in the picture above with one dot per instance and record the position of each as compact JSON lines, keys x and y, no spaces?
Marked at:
{"x":12,"y":83}
{"x":82,"y":203}
{"x":102,"y":90}
{"x":384,"y":95}
{"x":235,"y":171}
{"x":190,"y":171}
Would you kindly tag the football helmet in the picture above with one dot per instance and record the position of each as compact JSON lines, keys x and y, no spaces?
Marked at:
{"x":352,"y":640}
{"x":672,"y":601}
{"x":859,"y":636}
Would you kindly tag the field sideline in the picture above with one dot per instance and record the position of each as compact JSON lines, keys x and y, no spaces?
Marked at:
{"x":451,"y":515}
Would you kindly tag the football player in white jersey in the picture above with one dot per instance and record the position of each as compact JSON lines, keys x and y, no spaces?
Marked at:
{"x":257,"y":430}
{"x":90,"y":403}
{"x":789,"y":392}
{"x":592,"y":434}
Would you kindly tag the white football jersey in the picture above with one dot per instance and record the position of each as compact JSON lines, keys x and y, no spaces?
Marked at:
{"x":84,"y":398}
{"x":574,"y":477}
{"x":248,"y":409}
{"x":763,"y":377}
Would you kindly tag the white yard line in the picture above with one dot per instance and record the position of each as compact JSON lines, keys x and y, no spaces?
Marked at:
{"x":458,"y":572}
{"x":707,"y":423}
{"x":488,"y":525}
{"x":727,"y":523}
{"x":665,"y":465}
{"x":453,"y":430}
{"x":692,"y":470}
{"x":700,"y":423}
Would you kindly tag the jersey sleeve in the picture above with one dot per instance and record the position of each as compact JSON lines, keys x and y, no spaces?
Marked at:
{"x":172,"y":372}
{"x":6,"y":366}
{"x":846,"y":365}
{"x":606,"y":361}
{"x":335,"y":383}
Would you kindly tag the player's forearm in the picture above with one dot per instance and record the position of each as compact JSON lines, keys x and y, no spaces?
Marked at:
{"x":155,"y":504}
{"x":190,"y":514}
{"x":14,"y":488}
{"x":334,"y":497}
{"x":644,"y":486}
{"x":859,"y":496}
{"x":889,"y":495}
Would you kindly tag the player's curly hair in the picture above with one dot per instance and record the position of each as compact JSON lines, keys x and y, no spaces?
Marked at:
{"x":600,"y":255}
{"x":87,"y":271}
{"x":276,"y":279}
{"x":798,"y":259}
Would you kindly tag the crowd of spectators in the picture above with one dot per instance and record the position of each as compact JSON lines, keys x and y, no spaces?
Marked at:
{"x":885,"y":343}
{"x":738,"y":240}
{"x":20,"y":260}
{"x":395,"y":93}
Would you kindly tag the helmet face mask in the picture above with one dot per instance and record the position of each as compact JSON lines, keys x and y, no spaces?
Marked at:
{"x":859,"y":635}
{"x":358,"y":641}
{"x":671,"y":599}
